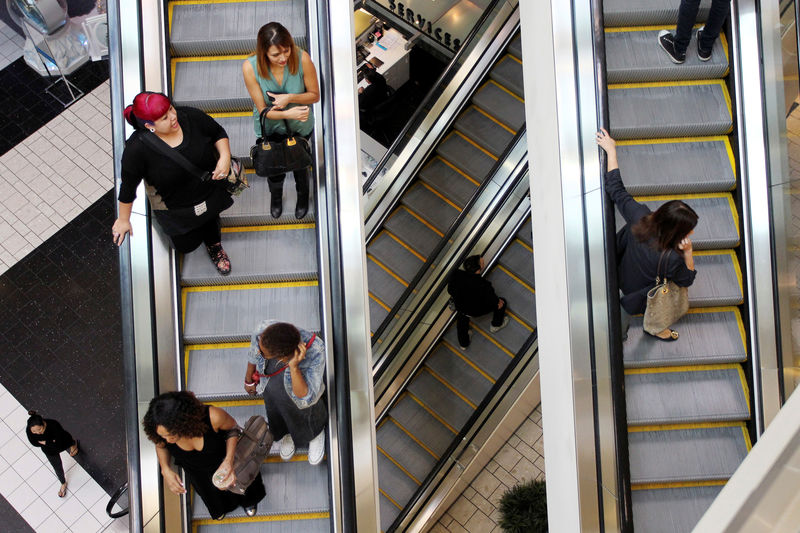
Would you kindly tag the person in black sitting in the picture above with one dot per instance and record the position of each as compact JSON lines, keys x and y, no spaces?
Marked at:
{"x":474,"y":296}
{"x":187,"y":207}
{"x":649,"y":238}
{"x":47,"y":434}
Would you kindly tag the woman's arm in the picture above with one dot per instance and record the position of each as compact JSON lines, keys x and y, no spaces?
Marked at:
{"x":299,"y":385}
{"x":630,"y":209}
{"x":311,"y":96}
{"x":171,"y":478}
{"x":223,"y":146}
{"x":122,"y":226}
{"x":607,"y":143}
{"x":249,"y":384}
{"x":222,"y":421}
{"x":253,"y":87}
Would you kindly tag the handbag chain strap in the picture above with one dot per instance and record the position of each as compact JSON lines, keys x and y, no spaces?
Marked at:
{"x":658,"y":270}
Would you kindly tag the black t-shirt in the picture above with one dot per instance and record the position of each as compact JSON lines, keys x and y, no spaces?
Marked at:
{"x":56,"y":439}
{"x":472,"y":294}
{"x":176,"y":185}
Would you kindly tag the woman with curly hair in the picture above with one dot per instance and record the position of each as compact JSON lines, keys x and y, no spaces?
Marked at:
{"x":201,"y":439}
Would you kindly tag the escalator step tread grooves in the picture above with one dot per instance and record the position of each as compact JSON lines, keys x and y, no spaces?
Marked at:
{"x":697,"y":167}
{"x":458,"y":373}
{"x":377,"y":314}
{"x":669,"y":111}
{"x":519,"y":260}
{"x":396,"y":483}
{"x":394,"y":255}
{"x":717,"y":283}
{"x":388,"y":512}
{"x":633,"y":56}
{"x":618,"y":13}
{"x":515,"y":47}
{"x":412,"y":231}
{"x":241,"y":135}
{"x":690,"y":396}
{"x":686,"y":455}
{"x":216,"y":94}
{"x":383,"y":284}
{"x":420,"y":423}
{"x":448,"y":182}
{"x":672,"y":509}
{"x":525,"y":233}
{"x":251,"y":208}
{"x":402,"y":448}
{"x":429,"y":206}
{"x":466,"y":156}
{"x":522,"y":306}
{"x":501,"y":104}
{"x":290,"y":525}
{"x":508,"y":73}
{"x":484,"y":131}
{"x":439,"y":399}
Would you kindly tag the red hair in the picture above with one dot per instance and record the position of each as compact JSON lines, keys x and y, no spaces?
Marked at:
{"x":147,"y":107}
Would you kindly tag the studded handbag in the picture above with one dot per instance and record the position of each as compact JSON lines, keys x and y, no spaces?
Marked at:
{"x":274,"y":157}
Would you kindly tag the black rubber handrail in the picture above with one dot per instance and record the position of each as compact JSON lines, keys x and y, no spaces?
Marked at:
{"x":113,"y":501}
{"x":449,"y":71}
{"x":624,"y":505}
{"x":498,"y":386}
{"x":446,"y":238}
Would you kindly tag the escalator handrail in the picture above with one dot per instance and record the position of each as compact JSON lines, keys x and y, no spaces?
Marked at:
{"x":444,"y":240}
{"x":457,"y":441}
{"x":113,"y":501}
{"x":443,"y":79}
{"x":617,"y":370}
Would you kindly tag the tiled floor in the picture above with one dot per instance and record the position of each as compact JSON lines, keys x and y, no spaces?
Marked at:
{"x":520,"y":459}
{"x":11,"y":44}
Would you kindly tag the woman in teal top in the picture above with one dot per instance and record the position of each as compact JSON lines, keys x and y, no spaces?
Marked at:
{"x":284,"y":74}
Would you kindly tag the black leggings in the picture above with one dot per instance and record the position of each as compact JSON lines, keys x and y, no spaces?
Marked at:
{"x":208,"y":234}
{"x":58,"y":466}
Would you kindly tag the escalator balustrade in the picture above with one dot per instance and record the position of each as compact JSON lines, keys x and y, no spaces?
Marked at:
{"x":274,"y":262}
{"x":444,"y":185}
{"x":687,"y":401}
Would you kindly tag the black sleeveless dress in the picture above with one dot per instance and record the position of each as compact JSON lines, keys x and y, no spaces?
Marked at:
{"x":200,"y":467}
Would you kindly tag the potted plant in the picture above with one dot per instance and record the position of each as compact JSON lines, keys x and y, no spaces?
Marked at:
{"x":523,"y":508}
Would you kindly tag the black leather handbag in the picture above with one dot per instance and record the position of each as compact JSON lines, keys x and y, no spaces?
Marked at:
{"x":271,"y":158}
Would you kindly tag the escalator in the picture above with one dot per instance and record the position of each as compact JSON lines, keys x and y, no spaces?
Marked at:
{"x":688,"y":402}
{"x":459,"y":164}
{"x":274,"y":262}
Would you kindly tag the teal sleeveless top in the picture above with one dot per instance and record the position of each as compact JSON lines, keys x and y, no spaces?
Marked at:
{"x":292,"y":84}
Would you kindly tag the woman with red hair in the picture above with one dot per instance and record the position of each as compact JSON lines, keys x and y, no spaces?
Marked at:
{"x":175,"y":150}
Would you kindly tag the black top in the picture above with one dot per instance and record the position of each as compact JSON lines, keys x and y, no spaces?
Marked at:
{"x":56,"y":439}
{"x":638,"y":261}
{"x":472,"y":294}
{"x":374,"y":94}
{"x":177,"y":186}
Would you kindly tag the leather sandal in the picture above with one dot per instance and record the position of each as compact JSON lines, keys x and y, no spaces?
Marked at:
{"x":673,"y":336}
{"x":220,"y":259}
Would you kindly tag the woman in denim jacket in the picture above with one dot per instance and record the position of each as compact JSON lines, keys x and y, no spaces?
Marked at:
{"x":288,"y":364}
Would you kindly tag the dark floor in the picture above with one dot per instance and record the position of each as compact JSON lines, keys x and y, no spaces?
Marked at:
{"x":25,"y":107}
{"x":60,"y":338}
{"x":11,"y":519}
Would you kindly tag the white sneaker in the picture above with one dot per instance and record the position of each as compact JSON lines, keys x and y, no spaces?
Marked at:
{"x":495,"y":329}
{"x":316,"y":449}
{"x":287,"y":447}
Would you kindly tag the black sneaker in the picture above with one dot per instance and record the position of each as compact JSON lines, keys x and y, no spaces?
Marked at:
{"x":667,"y":42}
{"x":702,"y":55}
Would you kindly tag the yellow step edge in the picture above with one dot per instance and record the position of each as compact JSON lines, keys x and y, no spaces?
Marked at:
{"x":737,"y":268}
{"x":379,"y":301}
{"x":492,"y":118}
{"x":399,"y":241}
{"x":398,"y":465}
{"x":430,"y":412}
{"x":476,"y":145}
{"x":411,"y":436}
{"x":643,"y":85}
{"x":218,"y":346}
{"x":521,"y":322}
{"x":464,"y":358}
{"x":493,"y":82}
{"x":673,"y":140}
{"x":439,"y":195}
{"x":207,"y":2}
{"x":264,"y":518}
{"x":387,"y":270}
{"x":425,"y":222}
{"x":491,"y":339}
{"x":232,"y":114}
{"x":627,"y":29}
{"x":199,"y":59}
{"x":523,"y":244}
{"x":678,"y":485}
{"x":675,"y":427}
{"x":390,"y":498}
{"x":236,"y":403}
{"x":457,"y":170}
{"x":515,"y":278}
{"x":731,"y":309}
{"x":268,"y":227}
{"x":296,"y":458}
{"x":246,"y":286}
{"x":681,"y":368}
{"x":452,"y":389}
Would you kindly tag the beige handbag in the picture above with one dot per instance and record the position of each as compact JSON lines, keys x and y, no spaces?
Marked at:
{"x":666,"y":303}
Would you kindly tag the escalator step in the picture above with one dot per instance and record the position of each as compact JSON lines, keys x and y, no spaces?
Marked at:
{"x":508,"y":73}
{"x":377,"y":314}
{"x":515,"y":47}
{"x":412,"y":231}
{"x":389,"y":512}
{"x":466,"y":155}
{"x":420,"y":423}
{"x":203,"y":28}
{"x":519,"y":259}
{"x":718,"y":281}
{"x":635,"y":56}
{"x":397,"y":257}
{"x":525,"y":233}
{"x":207,"y":85}
{"x":458,"y":373}
{"x":501,"y":104}
{"x":440,"y":400}
{"x":240,"y":134}
{"x":382,"y":284}
{"x":251,"y":207}
{"x":708,"y":337}
{"x":292,"y":524}
{"x":691,"y":167}
{"x":511,"y":337}
{"x":644,"y":12}
{"x":483,"y":130}
{"x":521,"y":301}
{"x":403,"y":449}
{"x":425,"y":203}
{"x":671,"y":510}
{"x":395,"y":483}
{"x":216,"y":373}
{"x":684,"y":455}
{"x":303,"y":488}
{"x":669,"y":110}
{"x":483,"y":353}
{"x":230,"y":315}
{"x":449,"y":182}
{"x":686,"y":396}
{"x":717,"y":225}
{"x":253,"y":257}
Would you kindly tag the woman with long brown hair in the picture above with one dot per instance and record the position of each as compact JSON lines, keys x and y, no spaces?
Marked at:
{"x":284,"y":75}
{"x":651,"y":243}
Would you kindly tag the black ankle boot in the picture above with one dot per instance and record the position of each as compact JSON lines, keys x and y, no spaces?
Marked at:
{"x":302,"y":207}
{"x":276,"y":206}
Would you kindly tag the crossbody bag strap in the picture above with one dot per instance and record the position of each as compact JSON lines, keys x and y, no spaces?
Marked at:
{"x":164,"y":149}
{"x":658,"y":270}
{"x":262,"y":117}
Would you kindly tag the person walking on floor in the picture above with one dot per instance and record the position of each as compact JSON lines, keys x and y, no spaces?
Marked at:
{"x":474,"y":296}
{"x":675,"y":45}
{"x":47,"y":434}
